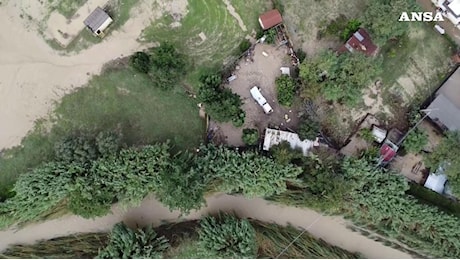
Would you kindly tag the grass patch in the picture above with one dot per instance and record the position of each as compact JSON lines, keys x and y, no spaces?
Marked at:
{"x":119,"y":100}
{"x":221,"y":30}
{"x":67,"y":7}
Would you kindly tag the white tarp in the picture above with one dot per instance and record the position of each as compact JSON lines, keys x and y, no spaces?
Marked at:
{"x":274,"y":137}
{"x":436,"y":182}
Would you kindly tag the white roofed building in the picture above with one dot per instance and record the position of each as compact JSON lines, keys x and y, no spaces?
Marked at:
{"x":449,"y":9}
{"x":275,"y":137}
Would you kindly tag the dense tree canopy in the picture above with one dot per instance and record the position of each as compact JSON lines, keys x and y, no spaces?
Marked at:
{"x":285,"y":88}
{"x":250,"y":136}
{"x":415,"y":141}
{"x":447,"y":155}
{"x":378,"y":200}
{"x":340,"y":78}
{"x":228,"y":237}
{"x":140,"y":61}
{"x":381,"y":18}
{"x":247,"y":173}
{"x":125,"y":243}
{"x":168,"y":66}
{"x":221,"y":104}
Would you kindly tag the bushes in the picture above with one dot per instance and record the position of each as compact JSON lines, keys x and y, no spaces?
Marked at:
{"x":244,"y":45}
{"x":125,"y":243}
{"x":271,"y":36}
{"x":228,"y":237}
{"x":250,"y":136}
{"x":140,"y":61}
{"x":285,"y":88}
{"x":308,"y":128}
{"x":221,"y":104}
{"x":415,"y":141}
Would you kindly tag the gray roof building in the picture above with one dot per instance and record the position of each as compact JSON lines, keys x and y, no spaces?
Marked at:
{"x":446,"y":106}
{"x":97,"y":21}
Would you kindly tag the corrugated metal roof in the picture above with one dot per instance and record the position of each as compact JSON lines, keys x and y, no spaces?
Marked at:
{"x":269,"y":19}
{"x":96,"y":19}
{"x":359,"y":36}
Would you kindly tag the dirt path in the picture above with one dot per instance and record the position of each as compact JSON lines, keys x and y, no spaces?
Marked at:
{"x":32,"y":75}
{"x":331,"y":229}
{"x":232,"y":11}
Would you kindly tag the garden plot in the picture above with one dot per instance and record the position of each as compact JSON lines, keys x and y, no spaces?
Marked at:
{"x":262,"y":72}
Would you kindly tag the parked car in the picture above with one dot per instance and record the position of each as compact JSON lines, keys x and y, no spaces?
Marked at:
{"x":257,"y":95}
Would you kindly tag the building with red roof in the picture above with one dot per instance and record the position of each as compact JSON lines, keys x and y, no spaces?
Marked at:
{"x":270,"y":19}
{"x":360,"y":41}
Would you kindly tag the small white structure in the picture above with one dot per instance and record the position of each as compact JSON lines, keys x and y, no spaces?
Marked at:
{"x":439,"y":29}
{"x":255,"y":93}
{"x":231,"y":78}
{"x":436,"y":182}
{"x":274,"y":137}
{"x":449,"y":9}
{"x":285,"y":71}
{"x":98,"y":21}
{"x":379,"y":134}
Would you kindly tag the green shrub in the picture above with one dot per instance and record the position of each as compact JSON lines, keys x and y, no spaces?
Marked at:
{"x":140,"y":61}
{"x":285,"y":88}
{"x":415,"y":141}
{"x":250,"y":136}
{"x":244,"y":45}
{"x":352,"y":26}
{"x":271,"y":36}
{"x":308,"y":129}
{"x":228,"y":236}
{"x":277,"y":4}
{"x":125,"y":243}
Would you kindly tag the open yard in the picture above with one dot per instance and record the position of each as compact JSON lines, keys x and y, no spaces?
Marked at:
{"x":262,"y":72}
{"x":208,"y":31}
{"x":119,"y":100}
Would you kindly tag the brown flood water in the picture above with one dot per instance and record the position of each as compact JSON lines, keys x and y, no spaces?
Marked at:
{"x":331,"y":229}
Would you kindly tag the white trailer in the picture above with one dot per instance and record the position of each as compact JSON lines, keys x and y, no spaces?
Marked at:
{"x":255,"y":93}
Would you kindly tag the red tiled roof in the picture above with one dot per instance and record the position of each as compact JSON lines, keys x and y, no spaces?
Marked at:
{"x":269,"y":19}
{"x":359,"y":41}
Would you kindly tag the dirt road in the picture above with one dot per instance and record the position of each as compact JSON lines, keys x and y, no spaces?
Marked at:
{"x":331,"y":229}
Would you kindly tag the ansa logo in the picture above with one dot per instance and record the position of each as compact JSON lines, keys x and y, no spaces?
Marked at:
{"x":420,"y":17}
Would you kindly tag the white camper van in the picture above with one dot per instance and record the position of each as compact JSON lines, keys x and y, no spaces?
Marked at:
{"x":255,"y":93}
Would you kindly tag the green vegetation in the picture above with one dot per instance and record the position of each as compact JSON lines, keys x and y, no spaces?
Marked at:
{"x":285,"y":88}
{"x":228,"y":237}
{"x":221,"y":104}
{"x":367,"y":135}
{"x":379,"y":202}
{"x":120,"y":101}
{"x":83,"y":246}
{"x":270,"y":36}
{"x":168,"y":66}
{"x":244,"y":45}
{"x":381,"y":19}
{"x":125,"y":243}
{"x":140,"y":61}
{"x":222,"y":236}
{"x":415,"y":141}
{"x":119,"y":10}
{"x":342,"y":28}
{"x":446,"y":155}
{"x":67,"y":7}
{"x":308,"y":128}
{"x":434,"y":199}
{"x":275,"y":239}
{"x":212,"y":19}
{"x":89,"y":189}
{"x":339,"y":78}
{"x":250,"y":136}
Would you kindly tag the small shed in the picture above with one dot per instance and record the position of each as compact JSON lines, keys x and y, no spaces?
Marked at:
{"x":270,"y":19}
{"x":360,"y":41}
{"x":98,"y":21}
